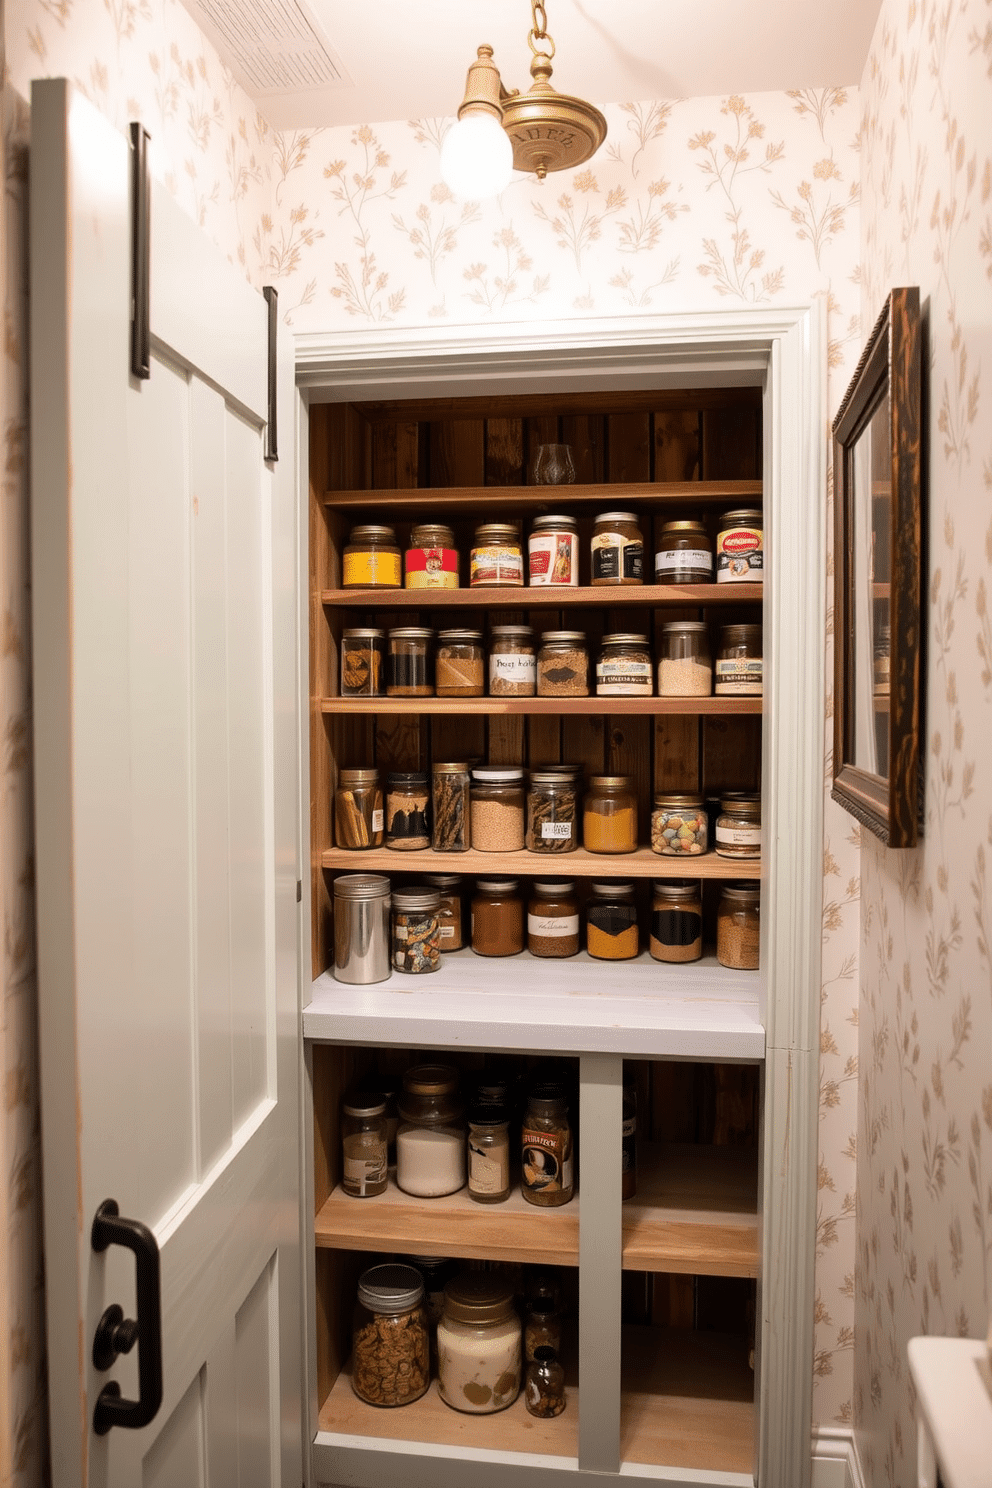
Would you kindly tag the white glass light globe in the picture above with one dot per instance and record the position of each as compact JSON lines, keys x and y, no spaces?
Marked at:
{"x":476,"y":157}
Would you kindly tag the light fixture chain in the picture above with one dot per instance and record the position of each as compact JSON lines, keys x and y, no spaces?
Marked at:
{"x":539,"y":31}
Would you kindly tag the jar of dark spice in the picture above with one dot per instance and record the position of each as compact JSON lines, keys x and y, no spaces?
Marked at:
{"x":542,"y":1327}
{"x":563,"y":664}
{"x":544,"y":1385}
{"x":609,"y":814}
{"x":363,"y":662}
{"x":358,"y":810}
{"x":737,"y":926}
{"x":617,"y":549}
{"x":449,"y":914}
{"x":552,"y":813}
{"x":546,"y":1149}
{"x":409,"y":664}
{"x":676,"y":921}
{"x":371,"y":559}
{"x":497,"y":918}
{"x":497,"y":809}
{"x":363,"y":1142}
{"x":459,"y":667}
{"x":450,"y":802}
{"x":684,"y":554}
{"x":553,"y":920}
{"x":611,"y":922}
{"x":431,"y":560}
{"x":738,"y":827}
{"x":512,"y":663}
{"x":497,"y":556}
{"x":407,"y":811}
{"x":415,"y":930}
{"x":624,"y":666}
{"x":739,"y":664}
{"x":488,"y":1155}
{"x":390,"y":1348}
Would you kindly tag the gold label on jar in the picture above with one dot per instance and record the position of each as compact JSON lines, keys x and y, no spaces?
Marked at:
{"x":366,"y":570}
{"x":496,"y":566}
{"x":545,"y":1168}
{"x":741,"y":676}
{"x":740,"y":555}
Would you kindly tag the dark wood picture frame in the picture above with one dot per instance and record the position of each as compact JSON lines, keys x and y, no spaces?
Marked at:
{"x":878,"y":556}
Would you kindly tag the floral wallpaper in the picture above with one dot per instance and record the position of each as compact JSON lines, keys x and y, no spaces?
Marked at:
{"x":924,"y":1229}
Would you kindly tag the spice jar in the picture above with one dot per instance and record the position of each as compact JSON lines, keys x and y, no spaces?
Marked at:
{"x":497,"y":809}
{"x":497,"y":918}
{"x":617,"y":549}
{"x":552,"y":817}
{"x":738,"y":671}
{"x":679,"y":825}
{"x":371,"y":559}
{"x":358,"y":816}
{"x":363,"y":1142}
{"x":554,"y":552}
{"x":407,"y":811}
{"x":737,"y":926}
{"x":738,"y":827}
{"x":740,"y":549}
{"x":361,"y":928}
{"x":488,"y":1155}
{"x":459,"y":669}
{"x":390,"y":1350}
{"x":512,"y":663}
{"x":563,"y":664}
{"x":431,"y":560}
{"x":546,"y":1149}
{"x":684,"y":554}
{"x":684,"y":667}
{"x":408,"y":666}
{"x":611,"y":922}
{"x":609,"y":814}
{"x":430,"y":1139}
{"x":553,"y":920}
{"x":544,"y":1386}
{"x":478,"y":1344}
{"x":450,"y":808}
{"x":542,"y":1327}
{"x":416,"y":934}
{"x":363,"y":662}
{"x":628,"y":1142}
{"x":624,"y":666}
{"x":497,"y":556}
{"x":451,"y":934}
{"x":676,"y":921}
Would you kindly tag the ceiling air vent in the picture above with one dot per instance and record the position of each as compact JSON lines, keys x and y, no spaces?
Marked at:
{"x":271,"y":46}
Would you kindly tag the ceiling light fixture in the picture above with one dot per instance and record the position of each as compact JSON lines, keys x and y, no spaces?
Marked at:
{"x":499,"y":131}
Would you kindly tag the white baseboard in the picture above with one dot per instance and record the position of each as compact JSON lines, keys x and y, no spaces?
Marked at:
{"x":835,"y":1459}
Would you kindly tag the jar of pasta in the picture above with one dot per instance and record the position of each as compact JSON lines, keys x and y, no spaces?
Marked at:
{"x":609,"y":814}
{"x":738,"y":671}
{"x":371,"y":559}
{"x":363,"y":662}
{"x":431,"y":560}
{"x":676,"y":920}
{"x":554,"y":552}
{"x":390,"y":1346}
{"x":611,"y":922}
{"x":497,"y":558}
{"x":617,"y":549}
{"x":552,"y":815}
{"x":737,"y":926}
{"x":512,"y":662}
{"x":738,"y":827}
{"x":684,"y":554}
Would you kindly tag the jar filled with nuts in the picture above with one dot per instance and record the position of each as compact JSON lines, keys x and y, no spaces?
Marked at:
{"x":390,"y":1345}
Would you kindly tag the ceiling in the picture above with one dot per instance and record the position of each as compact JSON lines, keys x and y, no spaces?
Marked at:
{"x":406,"y":59}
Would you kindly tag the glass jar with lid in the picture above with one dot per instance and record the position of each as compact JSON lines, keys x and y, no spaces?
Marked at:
{"x":542,"y":1326}
{"x":409,"y":669}
{"x":430,"y":1139}
{"x":617,"y":549}
{"x":546,"y":1158}
{"x":738,"y":926}
{"x":740,"y":547}
{"x":512,"y":662}
{"x":553,"y":919}
{"x":611,"y":922}
{"x":563,"y":664}
{"x":552,"y":813}
{"x":679,"y":825}
{"x":407,"y":811}
{"x":738,"y":827}
{"x":609,"y":814}
{"x":363,"y":1143}
{"x":554,"y":552}
{"x":489,"y":1154}
{"x":738,"y":671}
{"x":459,"y":665}
{"x":497,"y":558}
{"x":497,"y":917}
{"x":431,"y":560}
{"x":544,"y":1385}
{"x":684,"y":666}
{"x":624,"y":666}
{"x":450,"y":914}
{"x":684,"y":554}
{"x":363,"y":662}
{"x":415,"y":930}
{"x":497,"y":808}
{"x":450,"y":807}
{"x":676,"y":920}
{"x":371,"y":559}
{"x":479,"y":1344}
{"x":358,"y":810}
{"x":390,"y":1343}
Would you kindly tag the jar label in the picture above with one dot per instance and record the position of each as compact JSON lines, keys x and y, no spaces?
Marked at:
{"x":513,"y":666}
{"x":612,"y":919}
{"x":742,"y":675}
{"x":739,"y":836}
{"x":447,"y":932}
{"x":487,"y":1174}
{"x":544,"y":1166}
{"x":681,"y":560}
{"x":556,"y":831}
{"x":740,"y":556}
{"x":676,"y":927}
{"x":378,"y":820}
{"x":549,"y":928}
{"x":624,"y":677}
{"x":554,"y":558}
{"x":431,"y":568}
{"x":364,"y":1172}
{"x":371,"y":567}
{"x":496,"y":565}
{"x":615,"y":557}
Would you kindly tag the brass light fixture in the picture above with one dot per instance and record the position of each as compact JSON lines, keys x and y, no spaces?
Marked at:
{"x":542,"y":130}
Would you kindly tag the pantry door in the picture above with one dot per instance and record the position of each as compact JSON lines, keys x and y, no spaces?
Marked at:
{"x":167,"y":838}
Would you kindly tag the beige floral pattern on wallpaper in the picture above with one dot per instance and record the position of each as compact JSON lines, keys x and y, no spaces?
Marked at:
{"x":924,"y":1251}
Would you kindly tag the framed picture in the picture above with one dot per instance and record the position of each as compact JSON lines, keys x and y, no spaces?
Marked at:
{"x":878,"y":470}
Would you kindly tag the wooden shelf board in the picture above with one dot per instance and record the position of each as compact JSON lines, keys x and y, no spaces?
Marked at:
{"x":640,"y":864}
{"x":422,"y":500}
{"x":615,"y":706}
{"x":687,"y":1400}
{"x":454,"y":1225}
{"x":613,"y":596}
{"x":639,"y":1007}
{"x":695,"y":1211}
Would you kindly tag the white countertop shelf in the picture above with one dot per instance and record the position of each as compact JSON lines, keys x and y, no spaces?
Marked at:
{"x":641,"y":1007}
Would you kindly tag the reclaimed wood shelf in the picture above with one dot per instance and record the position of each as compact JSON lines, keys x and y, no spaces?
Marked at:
{"x":581,"y":863}
{"x":428,"y":500}
{"x":470,"y":707}
{"x":695,"y":1211}
{"x":605,"y":596}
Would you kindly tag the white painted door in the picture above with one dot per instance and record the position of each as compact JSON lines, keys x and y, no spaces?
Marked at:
{"x":165,"y":728}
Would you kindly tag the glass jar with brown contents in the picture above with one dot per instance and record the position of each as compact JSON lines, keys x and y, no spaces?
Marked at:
{"x":552,"y":813}
{"x":450,"y":803}
{"x":363,"y":662}
{"x":684,"y":554}
{"x":497,"y":918}
{"x":390,"y":1348}
{"x":617,"y":549}
{"x":563,"y":664}
{"x":371,"y":559}
{"x":546,"y":1159}
{"x":512,"y":663}
{"x":459,"y":669}
{"x":358,"y":809}
{"x":738,"y":827}
{"x":363,"y":1145}
{"x":407,"y":811}
{"x":738,"y":926}
{"x":409,"y":672}
{"x":553,"y":920}
{"x":497,"y":809}
{"x":676,"y":921}
{"x":544,"y":1384}
{"x":450,"y":916}
{"x":611,"y":922}
{"x":609,"y":814}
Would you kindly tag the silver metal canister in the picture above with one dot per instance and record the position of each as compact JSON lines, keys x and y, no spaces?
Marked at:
{"x":361,"y":927}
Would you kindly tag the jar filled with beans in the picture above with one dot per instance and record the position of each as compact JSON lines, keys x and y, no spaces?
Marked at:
{"x":679,"y":825}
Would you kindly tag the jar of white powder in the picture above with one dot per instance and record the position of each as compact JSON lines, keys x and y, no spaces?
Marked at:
{"x":430,"y":1139}
{"x":684,"y":665}
{"x":478,"y":1344}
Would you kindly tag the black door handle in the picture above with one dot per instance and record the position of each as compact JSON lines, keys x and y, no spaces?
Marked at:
{"x":116,"y":1334}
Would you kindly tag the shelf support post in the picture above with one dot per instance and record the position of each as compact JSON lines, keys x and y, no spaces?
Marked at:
{"x":600,"y":1261}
